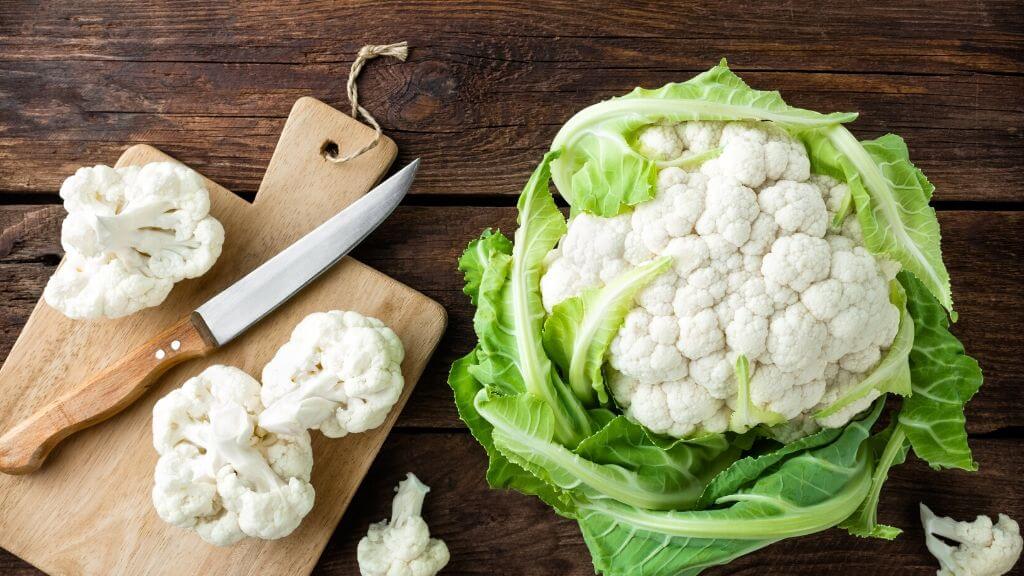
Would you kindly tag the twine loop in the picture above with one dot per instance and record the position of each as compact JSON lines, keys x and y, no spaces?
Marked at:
{"x":400,"y":51}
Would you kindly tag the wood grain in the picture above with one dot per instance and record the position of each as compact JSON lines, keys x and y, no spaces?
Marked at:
{"x":419,"y":245}
{"x":24,"y":448}
{"x":488,"y":84}
{"x":115,"y":530}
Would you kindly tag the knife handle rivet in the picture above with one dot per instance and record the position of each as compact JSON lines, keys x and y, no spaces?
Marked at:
{"x":160,"y":354}
{"x":176,"y":345}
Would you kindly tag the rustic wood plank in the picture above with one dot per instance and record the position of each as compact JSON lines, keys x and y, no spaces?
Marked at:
{"x":497,"y":533}
{"x":923,"y":37}
{"x":419,"y":246}
{"x":484,"y":94}
{"x":227,"y":127}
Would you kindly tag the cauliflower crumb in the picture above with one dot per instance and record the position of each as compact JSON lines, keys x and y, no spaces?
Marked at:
{"x":985,"y":548}
{"x":403,"y":547}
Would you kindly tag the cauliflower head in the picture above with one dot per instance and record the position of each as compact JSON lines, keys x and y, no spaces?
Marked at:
{"x":129,"y":235}
{"x":985,"y":549}
{"x":403,"y":547}
{"x":218,"y":473}
{"x":340,"y":373}
{"x":759,"y":272}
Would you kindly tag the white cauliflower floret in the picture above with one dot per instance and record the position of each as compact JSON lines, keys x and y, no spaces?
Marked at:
{"x":795,"y":340}
{"x":402,"y":547}
{"x":130,"y":234}
{"x":677,"y":408}
{"x":714,"y":373}
{"x":592,"y":252}
{"x":753,"y":152}
{"x":795,"y":206}
{"x":985,"y":548}
{"x":729,"y":210}
{"x":660,"y":143}
{"x":699,"y":136}
{"x":645,"y":347}
{"x":654,"y":224}
{"x":743,"y":155}
{"x":218,"y":473}
{"x":782,"y":393}
{"x":756,"y":273}
{"x":340,"y":373}
{"x":700,"y":335}
{"x":797,"y":261}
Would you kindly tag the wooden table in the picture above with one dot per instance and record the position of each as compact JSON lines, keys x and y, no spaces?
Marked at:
{"x":485,"y":89}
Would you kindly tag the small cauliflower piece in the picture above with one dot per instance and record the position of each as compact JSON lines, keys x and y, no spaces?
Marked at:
{"x":130,"y":234}
{"x":403,"y":547}
{"x":985,"y":549}
{"x":340,"y":373}
{"x":220,"y":475}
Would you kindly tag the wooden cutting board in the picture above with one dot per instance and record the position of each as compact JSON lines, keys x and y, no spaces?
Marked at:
{"x":88,"y":510}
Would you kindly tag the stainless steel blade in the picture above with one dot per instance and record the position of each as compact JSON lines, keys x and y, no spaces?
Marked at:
{"x":259,"y":292}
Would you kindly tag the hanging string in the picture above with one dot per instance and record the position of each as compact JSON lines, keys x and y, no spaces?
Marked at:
{"x":400,"y":51}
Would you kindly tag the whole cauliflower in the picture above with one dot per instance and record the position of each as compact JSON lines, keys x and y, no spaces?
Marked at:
{"x":758,"y":273}
{"x":340,"y":373}
{"x":130,"y":234}
{"x":985,"y":549}
{"x":402,"y":547}
{"x":219,"y":474}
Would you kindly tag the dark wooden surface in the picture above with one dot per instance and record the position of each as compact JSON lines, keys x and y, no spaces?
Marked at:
{"x":485,"y":89}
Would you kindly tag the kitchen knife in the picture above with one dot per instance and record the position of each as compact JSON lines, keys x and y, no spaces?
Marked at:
{"x":215,"y":323}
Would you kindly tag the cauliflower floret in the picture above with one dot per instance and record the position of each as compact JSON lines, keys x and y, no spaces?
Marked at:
{"x":656,"y":223}
{"x":677,"y":408}
{"x":218,"y":473}
{"x":660,"y":143}
{"x":645,"y":347}
{"x":699,"y":136}
{"x":743,"y":155}
{"x":754,"y":152}
{"x":700,"y":334}
{"x":714,"y":373}
{"x":797,"y":261}
{"x":130,"y":234}
{"x":591,"y":253}
{"x":757,"y":273}
{"x":782,"y":393}
{"x":340,"y":373}
{"x":402,"y":547}
{"x":986,"y":548}
{"x":795,"y":340}
{"x":785,"y":156}
{"x":729,"y":210}
{"x":796,"y":207}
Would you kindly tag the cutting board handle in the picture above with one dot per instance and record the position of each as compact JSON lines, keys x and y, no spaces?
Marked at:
{"x":24,"y":448}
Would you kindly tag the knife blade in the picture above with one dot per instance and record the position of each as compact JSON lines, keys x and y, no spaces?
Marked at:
{"x":245,"y":302}
{"x":216,"y":322}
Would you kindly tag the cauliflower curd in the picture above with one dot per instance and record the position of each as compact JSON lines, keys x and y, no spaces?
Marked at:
{"x":758,"y":272}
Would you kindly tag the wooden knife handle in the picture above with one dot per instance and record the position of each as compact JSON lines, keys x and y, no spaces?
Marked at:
{"x":24,"y":447}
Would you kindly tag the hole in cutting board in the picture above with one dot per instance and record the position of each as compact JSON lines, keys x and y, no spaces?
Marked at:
{"x":329,"y":149}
